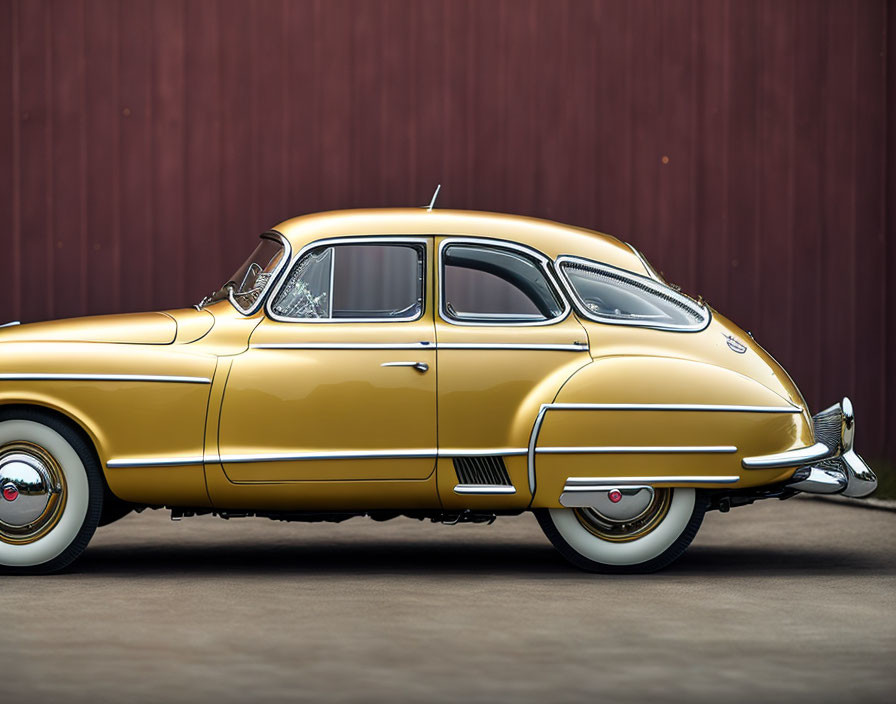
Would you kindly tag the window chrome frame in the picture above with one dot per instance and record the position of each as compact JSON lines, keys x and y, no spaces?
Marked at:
{"x":657,"y":285}
{"x":544,"y":263}
{"x":350,"y":240}
{"x":275,"y":236}
{"x":648,"y":267}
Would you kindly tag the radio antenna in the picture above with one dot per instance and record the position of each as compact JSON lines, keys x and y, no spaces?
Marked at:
{"x":435,"y":195}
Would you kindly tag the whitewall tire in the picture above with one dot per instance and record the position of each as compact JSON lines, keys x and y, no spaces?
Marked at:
{"x":587,"y":542}
{"x":51,"y":492}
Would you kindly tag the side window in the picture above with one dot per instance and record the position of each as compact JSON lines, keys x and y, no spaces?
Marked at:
{"x":609,"y":295}
{"x":373,"y":281}
{"x":493,"y":285}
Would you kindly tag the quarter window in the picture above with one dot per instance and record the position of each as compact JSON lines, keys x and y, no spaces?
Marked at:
{"x":610,"y":295}
{"x":493,"y":285}
{"x":373,"y":281}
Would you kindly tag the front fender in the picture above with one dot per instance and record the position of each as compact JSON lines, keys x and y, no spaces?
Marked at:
{"x":134,"y":401}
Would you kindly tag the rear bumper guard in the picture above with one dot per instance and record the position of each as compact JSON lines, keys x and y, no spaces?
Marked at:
{"x":831,"y":465}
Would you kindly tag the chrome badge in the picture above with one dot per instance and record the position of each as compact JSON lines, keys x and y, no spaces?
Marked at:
{"x":735,"y":344}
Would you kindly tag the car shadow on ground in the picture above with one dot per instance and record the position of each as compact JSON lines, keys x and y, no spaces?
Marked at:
{"x":436,"y":558}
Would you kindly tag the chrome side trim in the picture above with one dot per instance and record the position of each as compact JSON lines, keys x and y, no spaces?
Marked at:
{"x":300,"y":456}
{"x":572,"y":347}
{"x":597,"y":483}
{"x":698,"y":407}
{"x":488,"y":452}
{"x":105,"y":377}
{"x":344,"y":346}
{"x":11,"y":324}
{"x":543,"y":261}
{"x":164,"y":462}
{"x":484,"y":489}
{"x":637,"y":449}
{"x":346,"y":455}
{"x":790,"y":458}
{"x":671,"y":407}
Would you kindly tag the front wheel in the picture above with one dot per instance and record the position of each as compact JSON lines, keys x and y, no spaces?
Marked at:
{"x":51,"y":493}
{"x":637,"y":534}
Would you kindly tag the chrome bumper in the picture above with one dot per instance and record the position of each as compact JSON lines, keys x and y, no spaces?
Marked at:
{"x":840,"y":470}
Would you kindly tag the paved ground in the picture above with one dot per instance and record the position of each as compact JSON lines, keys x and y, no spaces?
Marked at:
{"x":792,"y":602}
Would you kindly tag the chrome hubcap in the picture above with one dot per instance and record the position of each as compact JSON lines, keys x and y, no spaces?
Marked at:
{"x":32,"y":492}
{"x":625,"y":513}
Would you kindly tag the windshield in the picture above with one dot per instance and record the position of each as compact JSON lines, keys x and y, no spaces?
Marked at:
{"x":246,"y":286}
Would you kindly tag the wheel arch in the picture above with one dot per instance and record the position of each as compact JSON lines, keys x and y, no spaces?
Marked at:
{"x":63,"y":415}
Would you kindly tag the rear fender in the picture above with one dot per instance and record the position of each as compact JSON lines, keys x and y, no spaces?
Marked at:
{"x":665,"y":421}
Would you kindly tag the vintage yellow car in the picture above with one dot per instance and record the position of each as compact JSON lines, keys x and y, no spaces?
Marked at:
{"x":444,"y":365}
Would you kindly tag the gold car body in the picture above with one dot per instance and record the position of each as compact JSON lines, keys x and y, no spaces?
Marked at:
{"x":212,"y":408}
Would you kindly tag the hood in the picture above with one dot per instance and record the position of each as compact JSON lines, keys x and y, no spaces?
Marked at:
{"x":132,"y":328}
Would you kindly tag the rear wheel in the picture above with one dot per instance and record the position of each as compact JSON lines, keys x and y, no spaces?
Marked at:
{"x":51,"y":493}
{"x":640,"y":532}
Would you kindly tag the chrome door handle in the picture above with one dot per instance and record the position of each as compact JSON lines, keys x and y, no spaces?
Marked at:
{"x":419,"y":366}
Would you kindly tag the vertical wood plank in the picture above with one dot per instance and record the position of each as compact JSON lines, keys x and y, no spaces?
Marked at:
{"x":301,"y":107}
{"x":202,"y":157}
{"x":35,"y":121}
{"x":775,"y":216}
{"x":102,"y":120}
{"x":838,"y":234}
{"x":9,"y":234}
{"x":168,"y":147}
{"x":67,"y":45}
{"x":137,"y":215}
{"x":333,"y":59}
{"x":869,"y":341}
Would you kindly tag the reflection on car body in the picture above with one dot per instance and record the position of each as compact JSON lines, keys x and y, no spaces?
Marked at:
{"x":446,"y":365}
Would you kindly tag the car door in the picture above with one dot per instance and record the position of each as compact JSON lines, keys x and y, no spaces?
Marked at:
{"x":339,"y":379}
{"x":507,"y":341}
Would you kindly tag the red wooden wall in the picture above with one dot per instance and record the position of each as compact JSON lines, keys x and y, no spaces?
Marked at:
{"x":744,"y":146}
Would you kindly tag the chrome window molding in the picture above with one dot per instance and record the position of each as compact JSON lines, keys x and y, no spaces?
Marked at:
{"x":684,"y":407}
{"x":651,"y":272}
{"x":543,"y":261}
{"x":790,"y":458}
{"x":637,"y":449}
{"x":351,"y":239}
{"x":105,"y":377}
{"x":657,"y":285}
{"x":287,"y":250}
{"x":484,"y":489}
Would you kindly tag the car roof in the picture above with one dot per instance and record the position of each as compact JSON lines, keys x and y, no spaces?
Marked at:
{"x":552,"y":238}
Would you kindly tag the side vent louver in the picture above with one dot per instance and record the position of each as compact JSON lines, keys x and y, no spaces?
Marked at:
{"x":481,"y":470}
